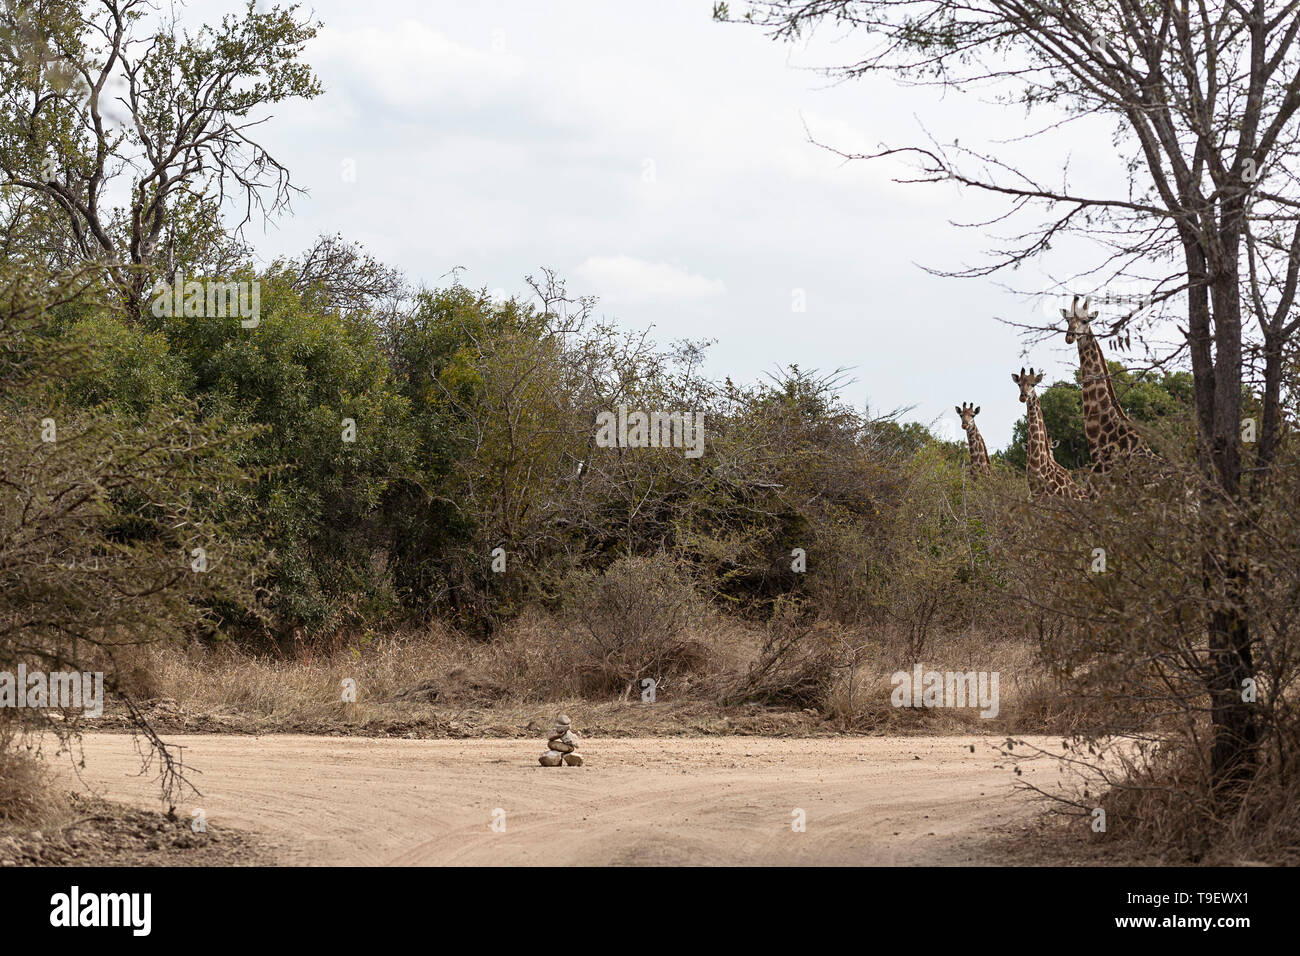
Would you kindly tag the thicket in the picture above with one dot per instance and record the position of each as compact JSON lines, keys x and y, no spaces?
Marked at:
{"x":365,"y":457}
{"x":440,"y":461}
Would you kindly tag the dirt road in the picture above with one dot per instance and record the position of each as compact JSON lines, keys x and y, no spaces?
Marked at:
{"x":714,"y":800}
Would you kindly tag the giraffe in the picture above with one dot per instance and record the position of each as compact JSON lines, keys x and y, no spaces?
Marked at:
{"x":1047,"y":479}
{"x":979,"y":453}
{"x":1111,"y":434}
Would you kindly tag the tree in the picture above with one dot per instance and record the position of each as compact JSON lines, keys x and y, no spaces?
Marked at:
{"x":338,"y":274}
{"x":115,"y":529}
{"x":85,"y":98}
{"x":333,"y":441}
{"x":1204,"y":98}
{"x":1147,"y":397}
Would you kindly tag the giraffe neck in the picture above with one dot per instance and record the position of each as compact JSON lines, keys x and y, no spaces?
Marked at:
{"x":1098,"y":390}
{"x":979,"y":453}
{"x":1037,"y":449}
{"x":1045,"y":475}
{"x":1109,"y":431}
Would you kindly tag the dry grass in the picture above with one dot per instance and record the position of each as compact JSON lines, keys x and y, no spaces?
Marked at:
{"x":530,"y":660}
{"x":1158,"y":803}
{"x":1027,"y":702}
{"x":27,"y":798}
{"x":440,"y":682}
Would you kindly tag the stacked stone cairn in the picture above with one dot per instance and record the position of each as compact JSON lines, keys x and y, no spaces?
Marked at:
{"x":562,"y":745}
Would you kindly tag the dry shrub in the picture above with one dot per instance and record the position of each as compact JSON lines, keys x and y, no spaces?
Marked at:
{"x":532,"y":658}
{"x":866,"y":661}
{"x":1182,"y":643}
{"x":633,"y":622}
{"x":795,"y":666}
{"x":525,"y":661}
{"x":1161,"y":802}
{"x":1047,"y":706}
{"x":26,"y":797}
{"x":1153,"y":801}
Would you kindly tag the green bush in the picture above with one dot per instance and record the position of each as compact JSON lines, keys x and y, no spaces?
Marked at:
{"x":124,"y":366}
{"x":300,"y":375}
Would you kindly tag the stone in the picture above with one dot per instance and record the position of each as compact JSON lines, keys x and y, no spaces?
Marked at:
{"x":562,"y":745}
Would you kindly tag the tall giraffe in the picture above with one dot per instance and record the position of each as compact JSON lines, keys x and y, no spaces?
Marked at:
{"x":1047,"y":478}
{"x":979,"y":453}
{"x":1111,"y":434}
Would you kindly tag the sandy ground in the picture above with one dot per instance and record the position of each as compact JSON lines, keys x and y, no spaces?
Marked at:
{"x":719,"y":800}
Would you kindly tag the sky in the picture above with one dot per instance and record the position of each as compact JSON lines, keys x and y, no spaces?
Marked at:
{"x":662,"y":162}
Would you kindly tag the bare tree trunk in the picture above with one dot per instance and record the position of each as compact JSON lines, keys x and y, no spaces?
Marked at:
{"x":1236,"y":732}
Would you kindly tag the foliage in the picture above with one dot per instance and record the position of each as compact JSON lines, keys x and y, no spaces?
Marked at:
{"x":113,"y":526}
{"x":300,"y":375}
{"x":119,"y":91}
{"x":1152,"y":399}
{"x":633,"y":622}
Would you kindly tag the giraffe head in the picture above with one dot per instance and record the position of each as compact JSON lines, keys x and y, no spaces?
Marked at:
{"x":1026,"y":382}
{"x":1078,"y":319}
{"x":967,"y":411}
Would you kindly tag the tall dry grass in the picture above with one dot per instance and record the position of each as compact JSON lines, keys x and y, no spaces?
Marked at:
{"x":538,"y":663}
{"x":27,"y":797}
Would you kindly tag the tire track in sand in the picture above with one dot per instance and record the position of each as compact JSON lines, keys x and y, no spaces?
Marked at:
{"x":701,"y":800}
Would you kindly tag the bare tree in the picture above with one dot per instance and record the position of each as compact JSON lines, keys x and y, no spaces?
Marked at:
{"x":1205,"y":99}
{"x":88,"y":95}
{"x":348,"y":278}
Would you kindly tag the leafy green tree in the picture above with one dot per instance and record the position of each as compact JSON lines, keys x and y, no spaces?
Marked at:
{"x":91,"y":93}
{"x":432,"y":350}
{"x":906,"y":437}
{"x":502,"y":402}
{"x":334,"y":436}
{"x":114,"y":529}
{"x":126,"y":366}
{"x":1148,"y":398}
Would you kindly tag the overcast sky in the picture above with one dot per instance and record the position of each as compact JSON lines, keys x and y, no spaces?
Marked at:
{"x":660,"y":161}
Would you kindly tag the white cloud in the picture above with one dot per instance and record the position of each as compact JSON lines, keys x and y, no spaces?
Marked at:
{"x":512,"y":135}
{"x":628,"y":280}
{"x":410,"y":68}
